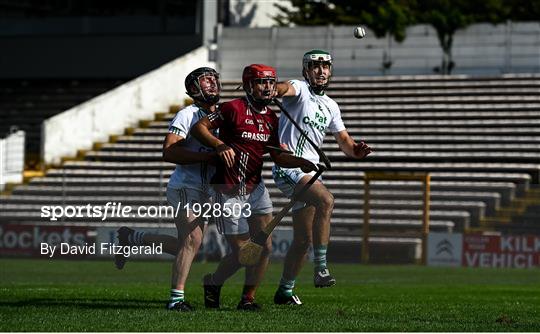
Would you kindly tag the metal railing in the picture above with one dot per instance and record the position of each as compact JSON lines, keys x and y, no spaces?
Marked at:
{"x":425,"y":178}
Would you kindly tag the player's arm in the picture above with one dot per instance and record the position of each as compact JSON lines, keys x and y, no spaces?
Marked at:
{"x":174,"y":151}
{"x":287,"y":160}
{"x":285,"y":89}
{"x":202,"y":131}
{"x":350,"y":147}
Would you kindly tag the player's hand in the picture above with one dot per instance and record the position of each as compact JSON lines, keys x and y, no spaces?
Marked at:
{"x":308,"y":166}
{"x":226,"y":154}
{"x":361,"y":150}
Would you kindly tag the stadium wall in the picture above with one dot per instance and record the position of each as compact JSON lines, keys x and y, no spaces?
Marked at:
{"x":110,"y":113}
{"x":481,"y":49}
{"x":12,"y":158}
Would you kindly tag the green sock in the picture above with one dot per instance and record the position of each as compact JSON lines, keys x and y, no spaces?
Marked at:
{"x":319,"y":257}
{"x":176,"y":296}
{"x":286,"y":287}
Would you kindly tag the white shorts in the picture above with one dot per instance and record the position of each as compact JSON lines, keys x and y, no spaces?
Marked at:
{"x":241,"y":207}
{"x":286,"y":180}
{"x":182,"y":196}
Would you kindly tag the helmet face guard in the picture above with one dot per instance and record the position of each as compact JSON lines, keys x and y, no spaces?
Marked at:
{"x":316,"y":58}
{"x":195,"y":85}
{"x":259,"y":74}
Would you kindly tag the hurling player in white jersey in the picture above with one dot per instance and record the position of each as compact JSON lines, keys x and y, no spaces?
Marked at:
{"x":317,"y":114}
{"x":187,"y":185}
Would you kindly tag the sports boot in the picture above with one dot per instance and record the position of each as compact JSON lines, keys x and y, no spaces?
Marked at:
{"x":282,"y":299}
{"x":122,"y":234}
{"x":248,"y":305}
{"x":323,"y":279}
{"x":182,"y":306}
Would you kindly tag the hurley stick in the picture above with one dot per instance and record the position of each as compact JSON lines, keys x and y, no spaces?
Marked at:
{"x":250,"y":253}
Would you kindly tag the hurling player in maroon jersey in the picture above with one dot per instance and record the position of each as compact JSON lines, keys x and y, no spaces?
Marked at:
{"x":246,"y":128}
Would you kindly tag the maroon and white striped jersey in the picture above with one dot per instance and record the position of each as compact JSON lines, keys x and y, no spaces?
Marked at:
{"x":248,"y":133}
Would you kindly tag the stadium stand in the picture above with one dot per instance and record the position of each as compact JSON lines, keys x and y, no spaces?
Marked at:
{"x":478,"y":137}
{"x":25,"y":104}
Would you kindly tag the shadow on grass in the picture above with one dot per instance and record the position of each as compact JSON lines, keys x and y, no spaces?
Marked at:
{"x":103,"y":304}
{"x":87,"y":303}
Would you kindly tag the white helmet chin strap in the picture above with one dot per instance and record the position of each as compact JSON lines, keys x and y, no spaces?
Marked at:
{"x":310,"y":78}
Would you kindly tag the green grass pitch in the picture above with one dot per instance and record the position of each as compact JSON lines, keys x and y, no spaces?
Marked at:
{"x":42,"y":295}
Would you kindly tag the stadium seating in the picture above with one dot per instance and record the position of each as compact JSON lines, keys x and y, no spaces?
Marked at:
{"x":26,"y":103}
{"x":478,"y":137}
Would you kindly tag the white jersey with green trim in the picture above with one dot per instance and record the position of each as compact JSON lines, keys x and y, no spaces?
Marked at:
{"x":198,"y":175}
{"x":315,"y":114}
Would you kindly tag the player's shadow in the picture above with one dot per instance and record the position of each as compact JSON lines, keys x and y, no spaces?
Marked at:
{"x":88,"y":303}
{"x":102,"y":304}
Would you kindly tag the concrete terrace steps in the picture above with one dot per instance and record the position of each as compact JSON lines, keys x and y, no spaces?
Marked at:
{"x":126,"y":173}
{"x":393,"y":230}
{"x":468,"y":194}
{"x":476,"y":203}
{"x":420,"y":81}
{"x":367,"y":131}
{"x":530,"y":168}
{"x":521,"y":180}
{"x":163,"y":126}
{"x":479,"y":137}
{"x":451,"y":219}
{"x":437,"y":107}
{"x":420,"y":100}
{"x":464,"y":214}
{"x":446,"y":221}
{"x":380,"y":91}
{"x":506,"y":189}
{"x":354,"y":116}
{"x":82,"y":200}
{"x":401,"y":139}
{"x":397,"y":155}
{"x":491,"y":195}
{"x":345,"y":203}
{"x":357,"y":116}
{"x":112,"y":181}
{"x":335,"y":176}
{"x":444,"y":107}
{"x":418,"y":87}
{"x":332,"y":146}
